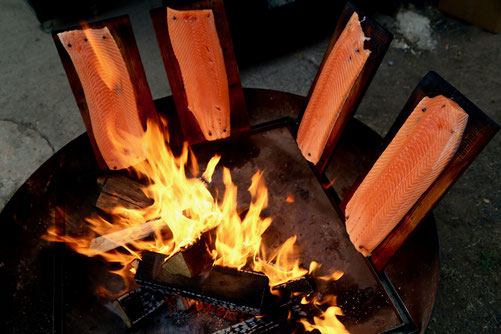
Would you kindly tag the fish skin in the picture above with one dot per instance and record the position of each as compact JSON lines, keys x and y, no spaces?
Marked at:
{"x":109,"y":95}
{"x":419,"y":152}
{"x":342,"y":67}
{"x":195,"y":42}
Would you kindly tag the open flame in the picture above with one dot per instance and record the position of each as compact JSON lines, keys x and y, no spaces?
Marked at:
{"x":184,"y":209}
{"x":327,"y":322}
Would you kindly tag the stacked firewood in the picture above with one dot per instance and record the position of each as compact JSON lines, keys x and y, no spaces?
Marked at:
{"x":188,"y":281}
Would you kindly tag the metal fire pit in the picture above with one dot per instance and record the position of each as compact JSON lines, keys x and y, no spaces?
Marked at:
{"x":49,"y":288}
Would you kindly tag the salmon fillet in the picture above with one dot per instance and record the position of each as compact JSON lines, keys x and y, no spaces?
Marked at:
{"x":340,"y":70}
{"x":418,"y":153}
{"x":195,"y":42}
{"x":109,"y":94}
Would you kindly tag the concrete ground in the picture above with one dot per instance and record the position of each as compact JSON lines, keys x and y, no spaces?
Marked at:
{"x":38,"y":116}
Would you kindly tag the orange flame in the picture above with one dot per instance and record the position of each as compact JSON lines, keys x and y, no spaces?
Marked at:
{"x":183,"y":209}
{"x":282,"y":265}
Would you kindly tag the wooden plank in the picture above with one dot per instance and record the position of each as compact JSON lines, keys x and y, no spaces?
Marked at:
{"x":380,"y":40}
{"x":119,"y":190}
{"x":479,"y":131}
{"x":191,"y":129}
{"x":135,"y":305}
{"x":230,"y":288}
{"x":191,"y":261}
{"x":121,"y":30}
{"x":107,"y":242}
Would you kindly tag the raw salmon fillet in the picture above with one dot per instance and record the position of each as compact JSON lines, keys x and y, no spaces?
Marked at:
{"x":195,"y":42}
{"x":109,"y":94}
{"x":418,"y":153}
{"x":340,"y":70}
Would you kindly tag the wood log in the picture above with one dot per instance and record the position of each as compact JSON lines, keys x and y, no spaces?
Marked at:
{"x":105,"y":243}
{"x":121,"y":191}
{"x":191,"y":261}
{"x":234,"y":289}
{"x":230,"y":288}
{"x":135,"y":305}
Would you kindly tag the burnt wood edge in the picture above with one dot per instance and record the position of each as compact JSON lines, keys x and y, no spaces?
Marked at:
{"x":238,"y":110}
{"x":227,"y":287}
{"x":120,"y":190}
{"x":480,"y":129}
{"x":380,"y":40}
{"x":136,"y":305}
{"x":246,"y":291}
{"x":192,"y":260}
{"x":121,"y":30}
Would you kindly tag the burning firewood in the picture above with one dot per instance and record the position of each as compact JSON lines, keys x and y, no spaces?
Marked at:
{"x":188,"y":262}
{"x":191,"y":261}
{"x":227,"y":287}
{"x":105,"y":243}
{"x":120,"y":191}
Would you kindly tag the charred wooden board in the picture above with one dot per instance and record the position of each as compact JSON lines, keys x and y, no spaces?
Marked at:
{"x":479,"y":131}
{"x":122,"y":191}
{"x":378,"y":43}
{"x":230,"y":288}
{"x":234,"y":289}
{"x":191,"y":261}
{"x":121,"y":30}
{"x":238,"y":110}
{"x":136,"y":305}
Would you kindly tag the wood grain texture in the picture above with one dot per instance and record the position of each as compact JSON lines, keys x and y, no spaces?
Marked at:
{"x":238,"y":110}
{"x":191,"y":261}
{"x":119,"y":190}
{"x":121,"y":31}
{"x":380,"y":40}
{"x":136,"y":305}
{"x":479,"y":131}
